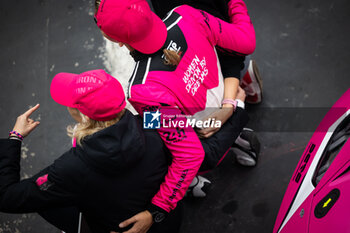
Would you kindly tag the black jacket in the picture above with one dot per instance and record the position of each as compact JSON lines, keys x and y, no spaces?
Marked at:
{"x":112,"y":177}
{"x":217,"y":8}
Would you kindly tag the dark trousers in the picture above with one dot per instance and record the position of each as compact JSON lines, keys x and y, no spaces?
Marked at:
{"x":216,"y":146}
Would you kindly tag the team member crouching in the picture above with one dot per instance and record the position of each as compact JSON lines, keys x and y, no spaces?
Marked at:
{"x":176,"y":69}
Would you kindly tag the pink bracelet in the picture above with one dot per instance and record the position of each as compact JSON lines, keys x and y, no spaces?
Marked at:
{"x":20,"y":136}
{"x":230,"y":101}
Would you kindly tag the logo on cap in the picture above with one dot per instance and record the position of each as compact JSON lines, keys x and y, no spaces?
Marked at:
{"x":151,"y":120}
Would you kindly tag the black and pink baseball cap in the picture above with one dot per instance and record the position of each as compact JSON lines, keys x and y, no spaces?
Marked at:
{"x":132,"y":22}
{"x":94,"y":93}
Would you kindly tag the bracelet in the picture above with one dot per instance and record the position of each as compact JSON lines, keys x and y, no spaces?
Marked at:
{"x":230,"y":101}
{"x":240,"y":103}
{"x":15,"y":138}
{"x":20,"y":136}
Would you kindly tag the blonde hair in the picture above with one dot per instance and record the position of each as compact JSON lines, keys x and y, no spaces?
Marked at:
{"x":172,"y":57}
{"x":89,"y":126}
{"x":97,"y":4}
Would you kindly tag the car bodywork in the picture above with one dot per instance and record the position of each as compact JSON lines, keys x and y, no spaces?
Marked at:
{"x":318,"y":196}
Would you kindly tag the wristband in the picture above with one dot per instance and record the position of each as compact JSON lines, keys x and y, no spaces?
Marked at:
{"x":158,"y":214}
{"x":15,"y":138}
{"x":20,"y":136}
{"x":230,"y":101}
{"x":240,"y":103}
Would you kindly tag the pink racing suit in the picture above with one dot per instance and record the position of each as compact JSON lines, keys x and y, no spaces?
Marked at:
{"x":185,"y":88}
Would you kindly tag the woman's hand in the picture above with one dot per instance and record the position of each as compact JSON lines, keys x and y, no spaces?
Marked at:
{"x":142,"y":223}
{"x":222,"y":115}
{"x":241,"y":95}
{"x":24,"y":125}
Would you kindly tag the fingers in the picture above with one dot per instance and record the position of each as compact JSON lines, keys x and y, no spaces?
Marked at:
{"x":241,"y":94}
{"x":25,"y":125}
{"x":31,"y":110}
{"x":209,"y":134}
{"x":33,"y":126}
{"x":127,"y":222}
{"x":242,"y":91}
{"x":205,"y":135}
{"x":32,"y":122}
{"x":201,"y":133}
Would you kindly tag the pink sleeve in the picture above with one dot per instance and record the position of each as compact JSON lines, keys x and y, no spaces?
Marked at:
{"x":238,"y":36}
{"x":187,"y":155}
{"x":244,"y":28}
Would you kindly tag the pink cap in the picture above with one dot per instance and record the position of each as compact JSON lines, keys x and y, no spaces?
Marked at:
{"x":94,"y":93}
{"x":132,"y":22}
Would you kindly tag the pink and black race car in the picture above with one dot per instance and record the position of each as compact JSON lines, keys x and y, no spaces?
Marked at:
{"x":318,"y":196}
